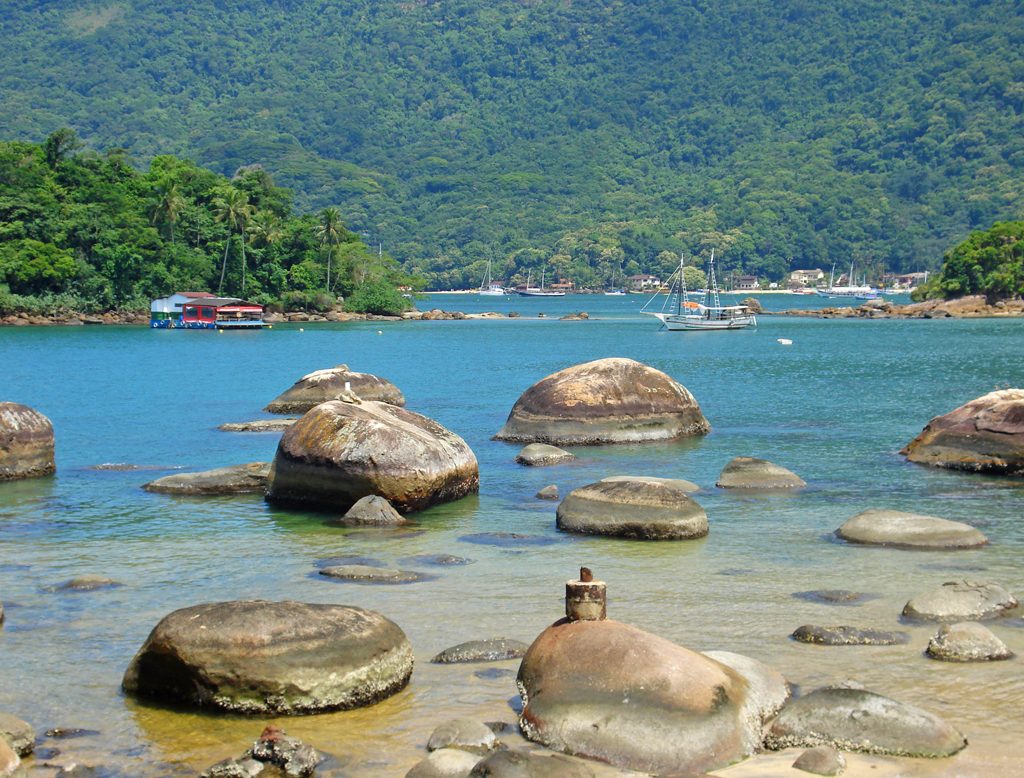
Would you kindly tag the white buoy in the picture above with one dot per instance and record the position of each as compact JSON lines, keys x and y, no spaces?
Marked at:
{"x":301,"y":329}
{"x":380,"y":332}
{"x":784,"y":341}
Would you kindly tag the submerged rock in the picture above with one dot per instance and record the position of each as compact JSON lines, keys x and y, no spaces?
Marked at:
{"x":291,"y":755}
{"x":859,"y":720}
{"x":961,"y":601}
{"x":833,"y":596}
{"x":843,"y":635}
{"x":329,"y":384}
{"x":542,"y":455}
{"x":254,"y":656}
{"x":911,"y":530}
{"x":342,"y":451}
{"x":85,"y":583}
{"x":18,"y":734}
{"x":646,"y":509}
{"x":615,"y":693}
{"x":520,"y":764}
{"x":445,"y":763}
{"x":235,"y":479}
{"x":752,"y":473}
{"x":967,"y":641}
{"x":26,"y":443}
{"x":465,"y":735}
{"x":821,"y":760}
{"x":371,"y":511}
{"x":377,"y":575}
{"x":605,"y":401}
{"x":259,"y":425}
{"x":549,"y":492}
{"x":985,"y":435}
{"x":489,"y":650}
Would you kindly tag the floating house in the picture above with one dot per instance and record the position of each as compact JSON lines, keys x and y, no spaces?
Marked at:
{"x":204,"y":311}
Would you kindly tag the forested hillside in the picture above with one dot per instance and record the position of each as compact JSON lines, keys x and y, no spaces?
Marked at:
{"x":579,"y":136}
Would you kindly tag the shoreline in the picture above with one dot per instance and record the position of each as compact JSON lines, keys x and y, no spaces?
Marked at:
{"x":972,"y":307}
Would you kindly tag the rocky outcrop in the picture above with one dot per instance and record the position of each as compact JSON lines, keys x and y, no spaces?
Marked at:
{"x":371,"y":511}
{"x":646,"y":509}
{"x":753,"y":304}
{"x":859,"y":720}
{"x":18,"y":734}
{"x":341,"y":451}
{"x":985,"y":435}
{"x":961,"y":601}
{"x":254,"y":656}
{"x":606,"y":401}
{"x":970,"y":307}
{"x":612,"y":692}
{"x":26,"y":443}
{"x":878,"y":527}
{"x":250,"y":478}
{"x":330,"y":384}
{"x":967,"y":641}
{"x":843,"y":635}
{"x":489,"y":650}
{"x":753,"y":473}
{"x":542,"y":455}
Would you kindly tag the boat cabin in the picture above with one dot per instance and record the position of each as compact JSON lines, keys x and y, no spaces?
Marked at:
{"x":202,"y":310}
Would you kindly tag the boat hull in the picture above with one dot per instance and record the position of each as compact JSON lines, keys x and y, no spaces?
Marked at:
{"x":697,"y":323}
{"x":531,"y":293}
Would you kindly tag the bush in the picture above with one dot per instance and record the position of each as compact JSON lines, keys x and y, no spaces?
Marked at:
{"x":377,"y":297}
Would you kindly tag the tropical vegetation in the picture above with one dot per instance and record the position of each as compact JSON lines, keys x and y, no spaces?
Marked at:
{"x":989,"y":262}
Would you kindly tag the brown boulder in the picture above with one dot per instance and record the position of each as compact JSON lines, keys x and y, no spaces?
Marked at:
{"x":26,"y":443}
{"x":323,"y":385}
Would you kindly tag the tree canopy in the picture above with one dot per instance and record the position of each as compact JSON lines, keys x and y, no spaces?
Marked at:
{"x":989,"y":262}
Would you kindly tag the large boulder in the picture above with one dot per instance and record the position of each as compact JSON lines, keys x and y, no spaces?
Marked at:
{"x":330,"y":384}
{"x":615,"y":693}
{"x":254,"y":656}
{"x":250,"y":478}
{"x":26,"y":443}
{"x":967,"y":641}
{"x":342,"y":451}
{"x":605,"y":401}
{"x":859,"y":720}
{"x":644,"y":508}
{"x":753,"y":473}
{"x":985,"y":435}
{"x":880,"y":527}
{"x":960,"y":601}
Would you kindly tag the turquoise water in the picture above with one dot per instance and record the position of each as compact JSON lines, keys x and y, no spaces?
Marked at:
{"x":835,"y":407}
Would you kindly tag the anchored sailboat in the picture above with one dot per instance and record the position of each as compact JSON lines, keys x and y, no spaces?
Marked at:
{"x":680,"y":313}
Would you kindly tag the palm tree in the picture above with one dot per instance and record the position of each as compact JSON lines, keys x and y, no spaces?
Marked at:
{"x":233,"y":208}
{"x":265,"y":227}
{"x":329,"y":232}
{"x":168,"y":206}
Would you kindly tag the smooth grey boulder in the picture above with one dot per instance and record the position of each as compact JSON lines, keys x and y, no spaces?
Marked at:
{"x":489,"y":650}
{"x":605,"y":401}
{"x":367,"y":574}
{"x":250,"y":478}
{"x":542,"y":455}
{"x":465,"y":735}
{"x":843,"y":635}
{"x":641,"y":508}
{"x":753,"y":473}
{"x":26,"y":443}
{"x":985,"y":435}
{"x":909,"y":530}
{"x":19,"y":734}
{"x":617,"y":694}
{"x":323,"y":385}
{"x":821,"y":760}
{"x":967,"y":641}
{"x":445,"y":763}
{"x":255,"y":656}
{"x":259,"y":425}
{"x":520,"y":764}
{"x":342,"y":451}
{"x":371,"y":511}
{"x":961,"y":601}
{"x":859,"y":720}
{"x":549,"y":492}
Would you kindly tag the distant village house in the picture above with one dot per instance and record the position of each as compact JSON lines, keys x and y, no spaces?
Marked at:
{"x":801,"y":278}
{"x":643,"y":282}
{"x":747,"y":283}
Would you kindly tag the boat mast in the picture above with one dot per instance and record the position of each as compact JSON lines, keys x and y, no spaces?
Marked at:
{"x":712,"y":282}
{"x":682,"y":286}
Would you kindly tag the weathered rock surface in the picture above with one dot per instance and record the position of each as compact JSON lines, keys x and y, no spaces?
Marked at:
{"x":342,"y":451}
{"x":250,"y":478}
{"x":18,"y":734}
{"x":519,"y":764}
{"x":859,"y":720}
{"x":632,"y":508}
{"x":984,"y":435}
{"x":489,"y":650}
{"x":465,"y":735}
{"x":10,"y":763}
{"x":753,"y":473}
{"x":821,"y":760}
{"x":767,"y":692}
{"x":542,"y":455}
{"x":969,"y":307}
{"x":259,"y":425}
{"x":549,"y":492}
{"x":329,"y":384}
{"x":371,"y":511}
{"x":445,"y":763}
{"x":678,"y":483}
{"x":843,"y":635}
{"x":879,"y":527}
{"x":293,"y":757}
{"x":605,"y":401}
{"x":254,"y":656}
{"x":26,"y":443}
{"x":961,"y":601}
{"x":377,"y":575}
{"x":612,"y":692}
{"x":967,"y":641}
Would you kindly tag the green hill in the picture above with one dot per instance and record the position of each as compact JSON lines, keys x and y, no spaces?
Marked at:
{"x":580,"y":136}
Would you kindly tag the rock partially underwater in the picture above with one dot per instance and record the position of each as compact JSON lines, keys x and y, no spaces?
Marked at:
{"x":331,"y":384}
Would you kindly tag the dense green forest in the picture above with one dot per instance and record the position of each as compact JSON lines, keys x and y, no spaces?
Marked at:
{"x":585,"y":137}
{"x":87,"y":232}
{"x":989,"y":262}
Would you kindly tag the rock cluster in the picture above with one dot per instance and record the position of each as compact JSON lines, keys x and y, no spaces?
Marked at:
{"x":288,"y":755}
{"x":26,"y":443}
{"x":970,"y":307}
{"x":330,"y":384}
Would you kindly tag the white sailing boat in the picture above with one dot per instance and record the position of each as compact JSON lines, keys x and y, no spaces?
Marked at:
{"x":490,"y":287}
{"x":863,"y":292}
{"x":533,"y":291}
{"x":680,"y":313}
{"x":615,"y":291}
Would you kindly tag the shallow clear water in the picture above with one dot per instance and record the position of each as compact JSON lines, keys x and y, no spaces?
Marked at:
{"x":835,"y":407}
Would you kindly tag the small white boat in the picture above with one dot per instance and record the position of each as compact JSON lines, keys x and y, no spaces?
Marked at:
{"x":851,"y":291}
{"x":687,"y":315}
{"x":615,"y":293}
{"x":534,"y":291}
{"x":489,"y":287}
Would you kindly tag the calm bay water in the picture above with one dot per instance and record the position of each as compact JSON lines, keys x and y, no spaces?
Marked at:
{"x":835,"y":407}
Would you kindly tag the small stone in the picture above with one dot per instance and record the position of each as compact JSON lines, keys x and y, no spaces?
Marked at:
{"x":753,"y":473}
{"x":465,"y":735}
{"x":490,"y":650}
{"x":371,"y":511}
{"x":294,"y":757}
{"x":234,"y":768}
{"x":18,"y":734}
{"x":821,"y":760}
{"x":848,"y":636}
{"x":445,"y":763}
{"x":967,"y":641}
{"x":543,"y":455}
{"x":548,"y":493}
{"x":376,"y":575}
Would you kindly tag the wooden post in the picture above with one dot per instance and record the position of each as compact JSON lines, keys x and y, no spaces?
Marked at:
{"x":585,"y":599}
